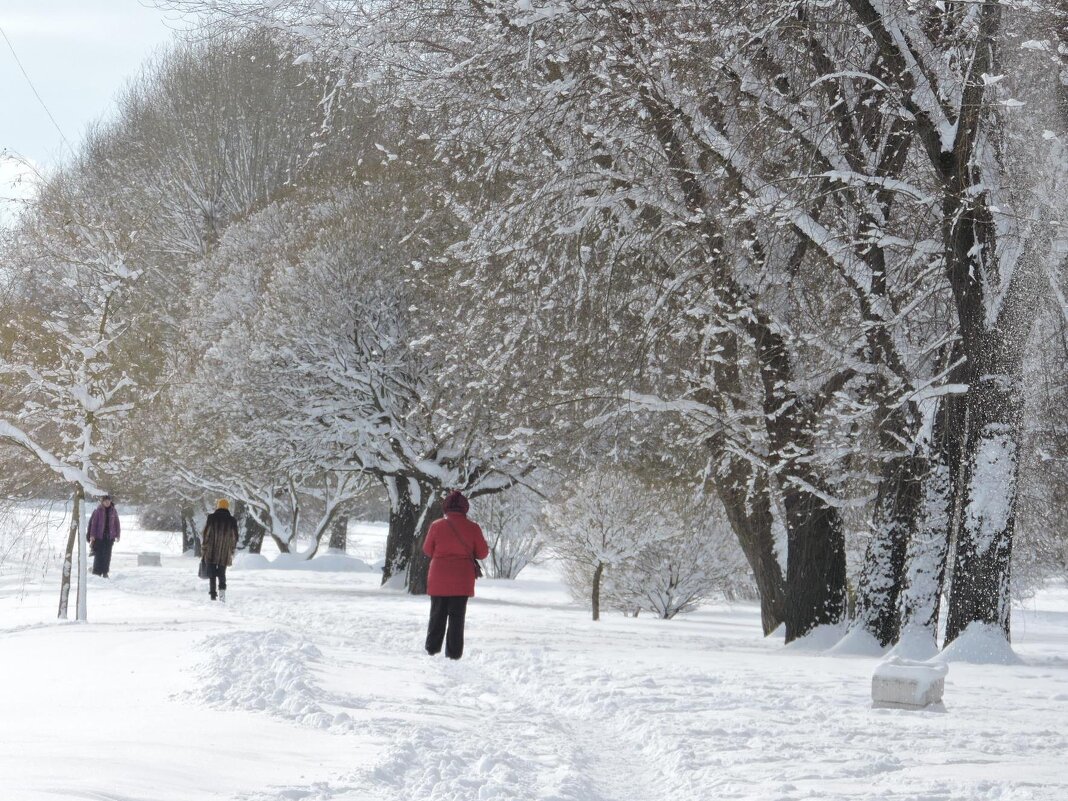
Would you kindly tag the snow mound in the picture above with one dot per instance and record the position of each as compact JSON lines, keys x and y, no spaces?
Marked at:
{"x":330,"y":562}
{"x":820,"y":638}
{"x":251,"y":561}
{"x":266,"y":671}
{"x":981,"y":644}
{"x":858,"y":642}
{"x":916,"y":644}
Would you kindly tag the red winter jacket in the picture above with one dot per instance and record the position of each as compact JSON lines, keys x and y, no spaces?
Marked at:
{"x":452,"y":571}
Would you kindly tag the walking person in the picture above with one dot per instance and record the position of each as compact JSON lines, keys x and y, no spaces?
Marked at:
{"x":217,"y":547}
{"x":453,"y":543}
{"x":102,"y":535}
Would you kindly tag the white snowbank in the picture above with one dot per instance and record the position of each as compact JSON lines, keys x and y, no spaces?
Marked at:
{"x":917,"y":644}
{"x":858,"y":642}
{"x":821,"y":638}
{"x":981,"y":644}
{"x":330,"y":562}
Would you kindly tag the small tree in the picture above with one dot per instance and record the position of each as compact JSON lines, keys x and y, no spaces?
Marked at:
{"x":600,"y":525}
{"x":691,"y":557}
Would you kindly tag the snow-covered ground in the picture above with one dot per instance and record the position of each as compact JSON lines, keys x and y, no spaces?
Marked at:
{"x":312,"y":684}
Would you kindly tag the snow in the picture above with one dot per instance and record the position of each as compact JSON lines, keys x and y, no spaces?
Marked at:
{"x":312,"y":684}
{"x":990,"y":502}
{"x":858,"y":642}
{"x":981,"y":644}
{"x":916,"y":643}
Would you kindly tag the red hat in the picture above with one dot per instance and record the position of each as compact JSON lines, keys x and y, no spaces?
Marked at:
{"x":456,"y":502}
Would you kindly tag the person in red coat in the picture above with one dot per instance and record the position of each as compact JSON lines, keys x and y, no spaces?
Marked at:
{"x":453,"y":543}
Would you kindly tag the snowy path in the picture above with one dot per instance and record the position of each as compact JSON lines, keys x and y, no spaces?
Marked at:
{"x":313,"y":686}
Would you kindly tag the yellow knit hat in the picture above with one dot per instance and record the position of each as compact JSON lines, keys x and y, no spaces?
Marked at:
{"x":222,"y":503}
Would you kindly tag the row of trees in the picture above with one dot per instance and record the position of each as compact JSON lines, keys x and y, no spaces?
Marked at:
{"x":809,"y":258}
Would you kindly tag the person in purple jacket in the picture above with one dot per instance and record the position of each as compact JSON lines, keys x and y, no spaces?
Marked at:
{"x":103,"y":534}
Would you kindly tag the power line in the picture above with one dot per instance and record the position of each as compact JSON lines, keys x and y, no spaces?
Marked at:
{"x":34,"y":90}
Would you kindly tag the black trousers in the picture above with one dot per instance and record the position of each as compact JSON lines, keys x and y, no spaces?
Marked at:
{"x":216,"y":573}
{"x":446,"y":612}
{"x":102,"y":556}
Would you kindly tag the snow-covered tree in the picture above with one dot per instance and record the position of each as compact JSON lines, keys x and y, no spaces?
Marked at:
{"x":74,"y":268}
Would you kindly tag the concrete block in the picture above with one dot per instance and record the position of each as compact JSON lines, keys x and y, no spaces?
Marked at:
{"x":901,"y":684}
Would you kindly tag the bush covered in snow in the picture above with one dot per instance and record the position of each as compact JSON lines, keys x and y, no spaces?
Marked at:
{"x":509,"y":521}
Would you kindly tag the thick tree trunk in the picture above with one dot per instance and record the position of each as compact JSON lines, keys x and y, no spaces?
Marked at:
{"x":190,"y":534}
{"x":743,"y":490}
{"x":894,"y":520}
{"x":68,"y":555}
{"x":921,"y":594}
{"x":403,"y":519}
{"x":815,"y":566}
{"x":748,"y":506}
{"x":980,"y":591}
{"x":595,"y":600}
{"x":339,"y":533}
{"x":250,"y":531}
{"x":419,"y":563}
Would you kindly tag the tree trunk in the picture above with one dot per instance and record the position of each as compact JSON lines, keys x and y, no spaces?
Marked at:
{"x":921,"y":594}
{"x":981,"y":568}
{"x":403,"y":519}
{"x":419,"y":563}
{"x":596,"y":596}
{"x":742,"y":488}
{"x":339,"y":533}
{"x":68,"y":555}
{"x":894,"y":521}
{"x":748,"y":506}
{"x":815,"y":566}
{"x":83,"y":557}
{"x":250,"y":531}
{"x":190,"y":535}
{"x":815,"y":559}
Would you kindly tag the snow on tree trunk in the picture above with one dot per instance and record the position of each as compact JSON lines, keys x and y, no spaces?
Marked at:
{"x":894,"y":520}
{"x":250,"y":530}
{"x":925,"y":560}
{"x":984,"y":541}
{"x":83,"y":560}
{"x":190,"y":535}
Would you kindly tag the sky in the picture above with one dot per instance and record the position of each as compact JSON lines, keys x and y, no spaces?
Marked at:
{"x":79,"y":54}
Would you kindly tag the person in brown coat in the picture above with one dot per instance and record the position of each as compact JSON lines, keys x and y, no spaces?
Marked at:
{"x":218,"y":542}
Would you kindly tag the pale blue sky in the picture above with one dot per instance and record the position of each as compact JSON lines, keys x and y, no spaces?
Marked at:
{"x":78,"y":53}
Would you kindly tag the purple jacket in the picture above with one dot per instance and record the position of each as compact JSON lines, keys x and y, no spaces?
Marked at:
{"x":96,"y":523}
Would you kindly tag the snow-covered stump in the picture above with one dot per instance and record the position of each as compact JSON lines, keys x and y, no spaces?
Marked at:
{"x":148,"y":559}
{"x":902,"y":684}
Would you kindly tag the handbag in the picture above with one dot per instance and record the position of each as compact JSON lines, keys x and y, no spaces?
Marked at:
{"x":202,"y":571}
{"x":475,"y":562}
